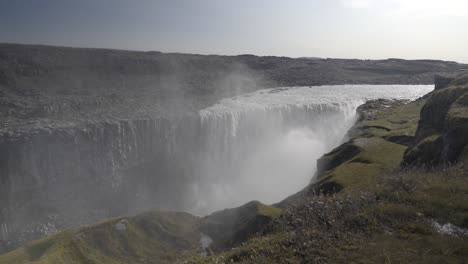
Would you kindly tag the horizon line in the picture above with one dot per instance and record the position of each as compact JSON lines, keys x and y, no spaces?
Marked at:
{"x":227,"y":55}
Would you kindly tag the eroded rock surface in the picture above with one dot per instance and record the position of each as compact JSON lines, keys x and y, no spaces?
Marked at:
{"x":442,"y":132}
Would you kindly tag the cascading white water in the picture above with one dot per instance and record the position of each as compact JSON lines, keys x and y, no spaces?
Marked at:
{"x":264,"y":145}
{"x":258,"y":146}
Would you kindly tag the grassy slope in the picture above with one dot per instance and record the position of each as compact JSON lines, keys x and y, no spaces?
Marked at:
{"x":391,"y":222}
{"x":147,"y":238}
{"x":153,"y":237}
{"x":376,"y":152}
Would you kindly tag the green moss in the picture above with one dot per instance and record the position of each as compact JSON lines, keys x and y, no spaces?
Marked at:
{"x":156,"y":237}
{"x":352,"y":175}
{"x":270,"y":211}
{"x":354,"y":227}
{"x":401,"y":119}
{"x":371,"y":150}
{"x":377,"y":156}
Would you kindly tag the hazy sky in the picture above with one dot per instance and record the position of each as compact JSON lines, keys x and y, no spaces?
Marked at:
{"x":411,"y":29}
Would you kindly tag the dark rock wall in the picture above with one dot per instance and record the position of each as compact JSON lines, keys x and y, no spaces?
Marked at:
{"x":443,"y":127}
{"x":62,"y":177}
{"x":73,"y":173}
{"x":442,"y":81}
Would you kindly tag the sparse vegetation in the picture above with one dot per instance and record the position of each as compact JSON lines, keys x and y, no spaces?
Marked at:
{"x":391,"y":221}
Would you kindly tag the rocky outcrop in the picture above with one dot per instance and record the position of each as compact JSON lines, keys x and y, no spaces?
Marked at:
{"x":228,"y":228}
{"x":442,"y":81}
{"x":443,"y":126}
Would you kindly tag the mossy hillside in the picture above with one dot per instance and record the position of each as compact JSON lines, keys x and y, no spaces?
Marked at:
{"x":268,"y":211}
{"x":377,"y":145}
{"x":396,"y":119}
{"x":153,"y":237}
{"x":391,"y":221}
{"x":156,"y":237}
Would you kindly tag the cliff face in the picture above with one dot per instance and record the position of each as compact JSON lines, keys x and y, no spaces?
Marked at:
{"x":64,"y":176}
{"x":441,"y":135}
{"x":76,"y":174}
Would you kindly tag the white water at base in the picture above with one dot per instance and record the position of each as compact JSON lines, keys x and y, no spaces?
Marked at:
{"x":264,"y":145}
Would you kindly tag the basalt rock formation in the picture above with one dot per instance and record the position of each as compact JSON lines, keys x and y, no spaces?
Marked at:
{"x":442,"y":132}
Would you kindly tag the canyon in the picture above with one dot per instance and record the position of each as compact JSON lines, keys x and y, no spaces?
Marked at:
{"x":90,"y":134}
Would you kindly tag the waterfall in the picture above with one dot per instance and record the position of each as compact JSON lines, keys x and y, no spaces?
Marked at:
{"x":264,"y":145}
{"x":257,"y":146}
